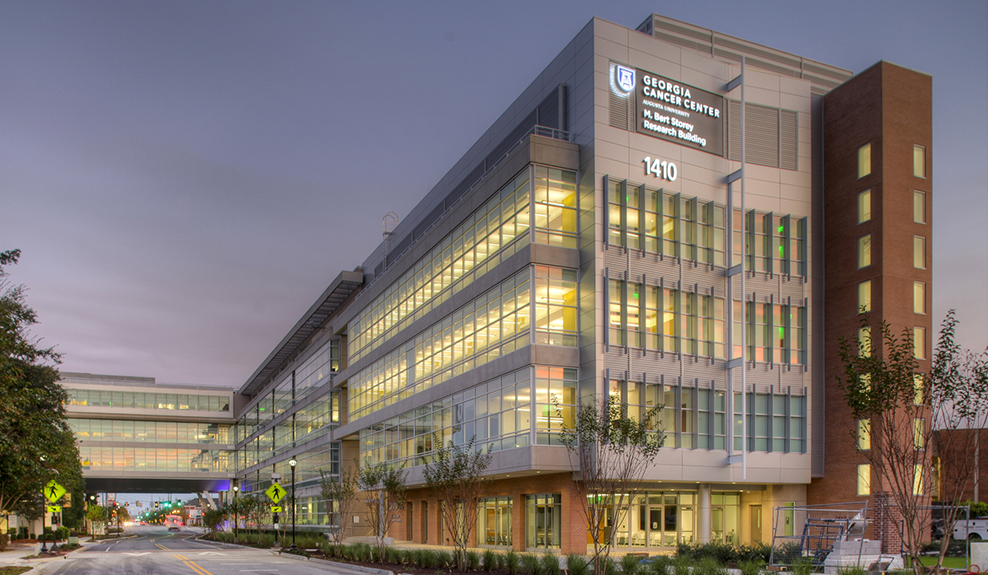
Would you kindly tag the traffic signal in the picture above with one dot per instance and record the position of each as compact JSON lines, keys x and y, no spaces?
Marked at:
{"x":155,"y":504}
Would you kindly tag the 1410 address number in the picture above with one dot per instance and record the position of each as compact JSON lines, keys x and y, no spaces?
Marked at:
{"x":661,"y":169}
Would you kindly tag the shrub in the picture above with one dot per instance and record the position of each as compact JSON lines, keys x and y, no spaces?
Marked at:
{"x":22,"y":533}
{"x":473,"y":560}
{"x":682,"y":565}
{"x":577,"y":564}
{"x":511,"y":562}
{"x":550,"y":564}
{"x":802,"y":567}
{"x":659,"y":565}
{"x":629,"y":564}
{"x":709,"y":565}
{"x":490,"y":560}
{"x":4,"y":538}
{"x":530,"y":564}
{"x":444,"y":559}
{"x":851,"y":570}
{"x":750,"y":567}
{"x":610,"y":567}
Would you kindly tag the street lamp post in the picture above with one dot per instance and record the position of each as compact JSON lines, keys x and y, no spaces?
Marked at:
{"x":292,"y":462}
{"x":236,"y":514}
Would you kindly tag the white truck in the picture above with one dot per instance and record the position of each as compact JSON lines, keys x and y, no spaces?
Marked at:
{"x":971,"y":529}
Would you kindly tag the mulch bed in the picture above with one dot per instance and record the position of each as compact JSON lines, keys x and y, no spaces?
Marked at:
{"x":399,"y":568}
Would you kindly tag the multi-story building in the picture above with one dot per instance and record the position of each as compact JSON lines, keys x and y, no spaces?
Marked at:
{"x":665,"y":215}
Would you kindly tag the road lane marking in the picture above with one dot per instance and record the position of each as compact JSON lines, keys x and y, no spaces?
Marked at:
{"x":138,"y":554}
{"x":160,"y":546}
{"x":195,"y":567}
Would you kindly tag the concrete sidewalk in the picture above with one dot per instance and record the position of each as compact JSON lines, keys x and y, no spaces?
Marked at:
{"x":16,"y":556}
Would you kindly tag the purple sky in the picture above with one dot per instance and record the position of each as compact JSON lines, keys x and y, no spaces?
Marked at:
{"x":185,"y":178}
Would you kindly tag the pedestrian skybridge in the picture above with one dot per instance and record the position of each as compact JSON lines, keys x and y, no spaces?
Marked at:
{"x":137,"y":436}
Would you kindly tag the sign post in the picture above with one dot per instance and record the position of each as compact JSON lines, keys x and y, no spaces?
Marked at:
{"x":53,"y":491}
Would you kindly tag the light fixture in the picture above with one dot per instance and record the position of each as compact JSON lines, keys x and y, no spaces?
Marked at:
{"x":292,"y":462}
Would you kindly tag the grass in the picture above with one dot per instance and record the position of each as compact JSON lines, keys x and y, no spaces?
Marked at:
{"x":8,"y":570}
{"x":948,"y":562}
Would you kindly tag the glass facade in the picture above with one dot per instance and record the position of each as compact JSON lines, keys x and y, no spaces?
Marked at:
{"x":155,"y":459}
{"x":496,"y":412}
{"x":150,"y":431}
{"x":462,"y":257}
{"x":83,"y":397}
{"x":494,"y":324}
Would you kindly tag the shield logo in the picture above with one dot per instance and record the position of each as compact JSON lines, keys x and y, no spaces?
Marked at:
{"x":625,"y":78}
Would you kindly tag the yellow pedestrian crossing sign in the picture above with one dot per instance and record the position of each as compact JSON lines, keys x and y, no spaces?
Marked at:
{"x":276,"y":509}
{"x":54,"y":508}
{"x":53,"y":491}
{"x":275,"y":492}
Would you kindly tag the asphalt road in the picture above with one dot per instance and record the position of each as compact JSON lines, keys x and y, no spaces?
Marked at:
{"x":156,"y":551}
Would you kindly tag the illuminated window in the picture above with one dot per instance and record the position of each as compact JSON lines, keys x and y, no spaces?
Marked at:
{"x":864,"y":251}
{"x":864,"y":206}
{"x":919,"y":342}
{"x":864,"y":296}
{"x":918,"y":479}
{"x":864,"y":434}
{"x":864,"y":479}
{"x":919,"y":387}
{"x":919,"y":252}
{"x":864,"y":160}
{"x":864,"y":342}
{"x":555,"y":306}
{"x":919,"y":161}
{"x":919,"y":207}
{"x":919,"y":297}
{"x":555,"y":207}
{"x":919,"y":433}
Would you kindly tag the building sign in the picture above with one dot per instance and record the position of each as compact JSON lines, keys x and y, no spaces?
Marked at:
{"x":674,"y":111}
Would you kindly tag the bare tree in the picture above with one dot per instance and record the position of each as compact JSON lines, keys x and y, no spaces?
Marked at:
{"x":456,"y":478}
{"x":892,"y":403}
{"x":340,"y":494}
{"x":386,"y":497}
{"x":611,"y":453}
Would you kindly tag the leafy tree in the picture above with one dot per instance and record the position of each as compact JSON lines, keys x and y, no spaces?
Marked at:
{"x":385,"y":487}
{"x":908,"y":413}
{"x":97,"y":517}
{"x":36,"y":444}
{"x":212,"y":518}
{"x":456,"y":478}
{"x":957,"y":390}
{"x":340,"y":494}
{"x":611,"y":453}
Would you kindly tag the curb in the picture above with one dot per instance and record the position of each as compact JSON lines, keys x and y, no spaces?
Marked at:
{"x":337,"y":564}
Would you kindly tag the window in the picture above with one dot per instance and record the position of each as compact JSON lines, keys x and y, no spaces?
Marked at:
{"x":919,"y":161}
{"x":919,"y":297}
{"x":919,"y":252}
{"x":864,"y":296}
{"x":864,"y":342}
{"x":864,"y":251}
{"x":919,"y":433}
{"x":918,"y":479}
{"x":864,"y":479}
{"x":864,"y":160}
{"x":864,"y":206}
{"x":864,"y":434}
{"x":919,"y":207}
{"x":919,"y":342}
{"x":919,"y":386}
{"x":555,"y":207}
{"x":543,"y":520}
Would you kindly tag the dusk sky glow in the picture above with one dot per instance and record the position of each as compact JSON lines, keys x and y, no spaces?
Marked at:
{"x":185,"y":178}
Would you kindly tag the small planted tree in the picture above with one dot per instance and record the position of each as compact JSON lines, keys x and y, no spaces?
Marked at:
{"x":909,"y":414}
{"x":385,"y":487}
{"x":610,"y":452}
{"x":456,"y":478}
{"x":340,"y":494}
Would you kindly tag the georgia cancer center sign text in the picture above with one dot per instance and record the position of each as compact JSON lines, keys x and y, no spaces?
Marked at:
{"x":673,"y":111}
